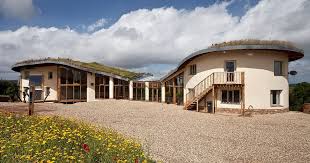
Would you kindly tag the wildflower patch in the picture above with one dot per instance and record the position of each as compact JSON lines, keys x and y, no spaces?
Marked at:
{"x":55,"y":139}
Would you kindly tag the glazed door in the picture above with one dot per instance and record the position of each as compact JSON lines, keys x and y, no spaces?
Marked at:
{"x":37,"y":82}
{"x":230,"y":68}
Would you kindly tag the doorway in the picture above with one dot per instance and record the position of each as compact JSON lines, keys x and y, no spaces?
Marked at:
{"x":230,"y":68}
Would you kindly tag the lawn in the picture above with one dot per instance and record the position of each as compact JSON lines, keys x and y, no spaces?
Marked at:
{"x":55,"y":139}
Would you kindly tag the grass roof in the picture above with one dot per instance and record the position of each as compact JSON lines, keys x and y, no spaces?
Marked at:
{"x":254,"y":42}
{"x":91,"y":65}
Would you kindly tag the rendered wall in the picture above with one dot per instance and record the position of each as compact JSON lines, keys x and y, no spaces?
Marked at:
{"x":258,"y":66}
{"x":91,"y":77}
{"x":52,"y":83}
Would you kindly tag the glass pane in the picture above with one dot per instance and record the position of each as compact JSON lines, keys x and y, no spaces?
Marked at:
{"x":230,"y":96}
{"x":76,"y":77}
{"x":84,"y":92}
{"x":63,"y":93}
{"x":69,"y":92}
{"x":230,"y":66}
{"x":84,"y":77}
{"x":63,"y":75}
{"x":35,"y":80}
{"x":77,"y":92}
{"x":277,"y":68}
{"x":70,"y":76}
{"x":224,"y":96}
{"x":236,"y":96}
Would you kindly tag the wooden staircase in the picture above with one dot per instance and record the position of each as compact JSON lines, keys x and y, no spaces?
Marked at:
{"x":199,"y":91}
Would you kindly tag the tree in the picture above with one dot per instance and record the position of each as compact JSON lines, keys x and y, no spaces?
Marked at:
{"x":299,"y":94}
{"x":8,"y":88}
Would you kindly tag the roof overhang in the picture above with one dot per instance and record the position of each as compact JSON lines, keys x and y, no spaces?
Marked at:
{"x":18,"y":66}
{"x":293,"y":53}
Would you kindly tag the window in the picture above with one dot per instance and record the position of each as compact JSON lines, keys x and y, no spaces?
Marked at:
{"x":26,"y":75}
{"x":192,"y":70}
{"x":230,"y":96}
{"x":275,"y":97}
{"x":278,"y":68}
{"x":35,"y":80}
{"x":50,"y":75}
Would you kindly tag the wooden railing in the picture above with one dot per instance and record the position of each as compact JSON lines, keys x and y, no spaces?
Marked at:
{"x":215,"y":78}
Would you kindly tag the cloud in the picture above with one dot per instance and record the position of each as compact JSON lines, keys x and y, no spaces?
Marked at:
{"x":17,"y":9}
{"x":164,"y":35}
{"x":98,"y":24}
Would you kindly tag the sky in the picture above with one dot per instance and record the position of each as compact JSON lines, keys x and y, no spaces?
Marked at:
{"x":145,"y":36}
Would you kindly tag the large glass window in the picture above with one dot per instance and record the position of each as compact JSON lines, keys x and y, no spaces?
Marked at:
{"x":230,"y":96}
{"x":73,"y":85}
{"x":278,"y":66}
{"x":36,"y":80}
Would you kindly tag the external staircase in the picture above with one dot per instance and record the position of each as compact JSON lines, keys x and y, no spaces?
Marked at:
{"x":208,"y":85}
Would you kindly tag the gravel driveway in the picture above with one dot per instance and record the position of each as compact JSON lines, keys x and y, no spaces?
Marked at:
{"x":175,"y":135}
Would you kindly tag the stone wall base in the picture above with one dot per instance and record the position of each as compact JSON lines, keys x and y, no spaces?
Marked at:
{"x":252,"y":111}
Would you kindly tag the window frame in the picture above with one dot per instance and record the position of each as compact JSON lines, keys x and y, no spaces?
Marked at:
{"x":278,"y":98}
{"x":281,"y":68}
{"x":193,"y":69}
{"x":230,"y":96}
{"x":50,"y":75}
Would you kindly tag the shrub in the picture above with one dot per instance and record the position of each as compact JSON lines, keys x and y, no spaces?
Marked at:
{"x":299,"y":94}
{"x":54,"y":139}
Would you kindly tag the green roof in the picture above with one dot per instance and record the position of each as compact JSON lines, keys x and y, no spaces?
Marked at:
{"x":253,"y":42}
{"x":91,"y":65}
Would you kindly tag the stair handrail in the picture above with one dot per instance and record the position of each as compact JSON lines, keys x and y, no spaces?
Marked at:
{"x":200,"y":87}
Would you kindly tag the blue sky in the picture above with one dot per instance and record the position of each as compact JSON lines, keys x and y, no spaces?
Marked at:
{"x":75,"y":13}
{"x":149,"y":36}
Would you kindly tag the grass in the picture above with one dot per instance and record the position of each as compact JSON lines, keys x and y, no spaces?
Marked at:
{"x":92,"y":65}
{"x":254,"y":42}
{"x":55,"y":139}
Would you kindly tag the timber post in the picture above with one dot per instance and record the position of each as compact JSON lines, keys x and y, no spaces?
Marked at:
{"x":31,"y":101}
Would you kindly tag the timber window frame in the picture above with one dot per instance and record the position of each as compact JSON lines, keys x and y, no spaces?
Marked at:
{"x":278,"y":68}
{"x":193,"y":69}
{"x":230,"y":97}
{"x":50,"y":75}
{"x":275,"y":98}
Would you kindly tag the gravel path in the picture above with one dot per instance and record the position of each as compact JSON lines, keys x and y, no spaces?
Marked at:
{"x":175,"y":135}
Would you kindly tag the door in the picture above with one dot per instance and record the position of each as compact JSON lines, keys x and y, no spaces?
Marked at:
{"x":230,"y":67}
{"x":36,"y":81}
{"x":209,"y":106}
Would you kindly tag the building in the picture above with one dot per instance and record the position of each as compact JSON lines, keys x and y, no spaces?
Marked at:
{"x":230,"y":76}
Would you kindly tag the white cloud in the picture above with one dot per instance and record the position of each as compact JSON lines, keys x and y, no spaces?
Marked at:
{"x":164,"y":35}
{"x":98,"y":24}
{"x":20,"y":9}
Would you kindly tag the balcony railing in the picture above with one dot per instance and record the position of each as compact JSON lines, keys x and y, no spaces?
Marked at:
{"x":215,"y":78}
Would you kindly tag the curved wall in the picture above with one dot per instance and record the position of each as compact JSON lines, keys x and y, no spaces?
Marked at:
{"x":258,"y":66}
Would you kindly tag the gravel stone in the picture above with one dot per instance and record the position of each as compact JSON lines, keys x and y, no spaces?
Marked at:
{"x":171,"y":134}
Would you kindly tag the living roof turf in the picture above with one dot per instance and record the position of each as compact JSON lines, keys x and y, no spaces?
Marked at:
{"x":254,"y":42}
{"x":90,"y":65}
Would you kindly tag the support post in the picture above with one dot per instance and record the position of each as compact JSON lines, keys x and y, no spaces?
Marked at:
{"x":31,"y":101}
{"x":174,"y":97}
{"x":130,"y":90}
{"x":111,"y":87}
{"x":197,"y":105}
{"x":147,"y":93}
{"x":213,"y":101}
{"x":163,"y":92}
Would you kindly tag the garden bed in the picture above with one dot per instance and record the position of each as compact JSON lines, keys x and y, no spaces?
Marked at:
{"x":55,"y":139}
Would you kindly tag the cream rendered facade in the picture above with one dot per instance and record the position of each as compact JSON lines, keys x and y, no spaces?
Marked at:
{"x":253,"y":80}
{"x":41,"y":71}
{"x":258,"y":68}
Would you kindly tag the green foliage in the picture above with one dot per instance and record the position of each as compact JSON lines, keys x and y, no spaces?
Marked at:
{"x":8,"y":88}
{"x":299,"y":94}
{"x":55,"y":139}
